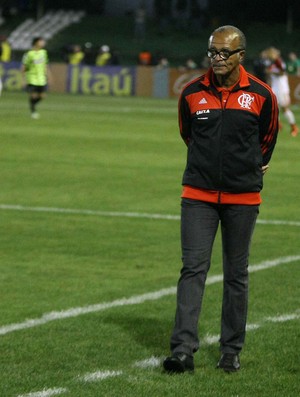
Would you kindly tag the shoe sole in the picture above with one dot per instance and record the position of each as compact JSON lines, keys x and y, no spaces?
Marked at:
{"x":229,"y":370}
{"x":175,"y":367}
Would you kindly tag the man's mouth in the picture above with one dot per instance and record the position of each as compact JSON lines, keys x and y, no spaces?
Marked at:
{"x":219,"y":65}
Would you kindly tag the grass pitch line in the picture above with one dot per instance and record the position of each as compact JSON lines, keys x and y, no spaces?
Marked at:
{"x":284,"y":318}
{"x":133,"y":300}
{"x":123,"y":214}
{"x":88,"y":212}
{"x":151,"y":362}
{"x":45,"y":393}
{"x":99,"y":375}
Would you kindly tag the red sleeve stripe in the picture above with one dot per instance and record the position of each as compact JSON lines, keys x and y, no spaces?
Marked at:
{"x":273,"y":124}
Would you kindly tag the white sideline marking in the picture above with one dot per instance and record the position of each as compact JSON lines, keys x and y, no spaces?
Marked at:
{"x":278,"y":222}
{"x":88,"y":212}
{"x":45,"y":393}
{"x":282,"y":319}
{"x":78,"y":311}
{"x":153,"y":361}
{"x":100,"y":375}
{"x":134,"y":300}
{"x":252,"y":327}
{"x":123,"y":214}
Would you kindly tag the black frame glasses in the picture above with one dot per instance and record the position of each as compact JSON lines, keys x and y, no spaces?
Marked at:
{"x":224,"y":53}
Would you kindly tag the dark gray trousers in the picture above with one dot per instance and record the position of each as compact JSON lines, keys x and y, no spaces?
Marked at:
{"x":199,"y":224}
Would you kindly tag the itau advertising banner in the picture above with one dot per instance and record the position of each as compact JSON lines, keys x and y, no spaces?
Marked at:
{"x":108,"y":80}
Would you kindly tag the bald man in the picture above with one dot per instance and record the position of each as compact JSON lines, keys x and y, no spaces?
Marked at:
{"x":229,"y":121}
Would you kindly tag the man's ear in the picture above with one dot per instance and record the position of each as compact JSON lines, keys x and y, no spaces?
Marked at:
{"x":242,"y":55}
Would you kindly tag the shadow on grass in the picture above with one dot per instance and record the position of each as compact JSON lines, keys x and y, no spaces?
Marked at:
{"x":153,"y":333}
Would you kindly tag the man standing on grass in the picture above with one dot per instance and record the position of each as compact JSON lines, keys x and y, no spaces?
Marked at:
{"x":35,"y":70}
{"x":229,"y":121}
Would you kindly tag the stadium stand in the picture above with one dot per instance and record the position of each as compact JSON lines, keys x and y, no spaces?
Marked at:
{"x":2,"y":20}
{"x":118,"y":33}
{"x":48,"y":26}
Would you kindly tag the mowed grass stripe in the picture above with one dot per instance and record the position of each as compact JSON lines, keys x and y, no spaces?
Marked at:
{"x":152,"y":362}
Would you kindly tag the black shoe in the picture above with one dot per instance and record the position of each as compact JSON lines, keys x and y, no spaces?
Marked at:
{"x":179,"y":363}
{"x":229,"y":362}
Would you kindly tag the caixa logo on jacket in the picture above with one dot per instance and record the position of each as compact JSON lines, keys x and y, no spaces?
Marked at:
{"x":245,"y":100}
{"x":205,"y":111}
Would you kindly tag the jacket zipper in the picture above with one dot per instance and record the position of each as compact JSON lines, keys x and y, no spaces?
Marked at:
{"x":221,"y":136}
{"x":219,"y":197}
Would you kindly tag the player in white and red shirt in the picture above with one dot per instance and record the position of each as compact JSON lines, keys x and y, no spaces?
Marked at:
{"x":280,"y":86}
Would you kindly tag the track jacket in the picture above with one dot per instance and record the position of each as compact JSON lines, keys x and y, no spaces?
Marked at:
{"x":230,"y":134}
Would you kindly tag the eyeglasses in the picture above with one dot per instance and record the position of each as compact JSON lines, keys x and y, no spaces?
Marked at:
{"x":224,"y":53}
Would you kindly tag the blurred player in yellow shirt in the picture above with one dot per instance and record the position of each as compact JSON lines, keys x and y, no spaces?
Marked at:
{"x":35,"y":70}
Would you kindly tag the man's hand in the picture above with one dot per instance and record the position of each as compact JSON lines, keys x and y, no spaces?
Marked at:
{"x":264,"y":169}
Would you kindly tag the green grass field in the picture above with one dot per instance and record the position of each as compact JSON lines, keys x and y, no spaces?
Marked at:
{"x":85,"y":195}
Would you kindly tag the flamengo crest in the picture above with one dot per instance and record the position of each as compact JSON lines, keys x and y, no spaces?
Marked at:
{"x":246,"y":100}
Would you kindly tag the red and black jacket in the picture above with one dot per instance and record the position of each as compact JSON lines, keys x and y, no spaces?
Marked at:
{"x":230,"y":139}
